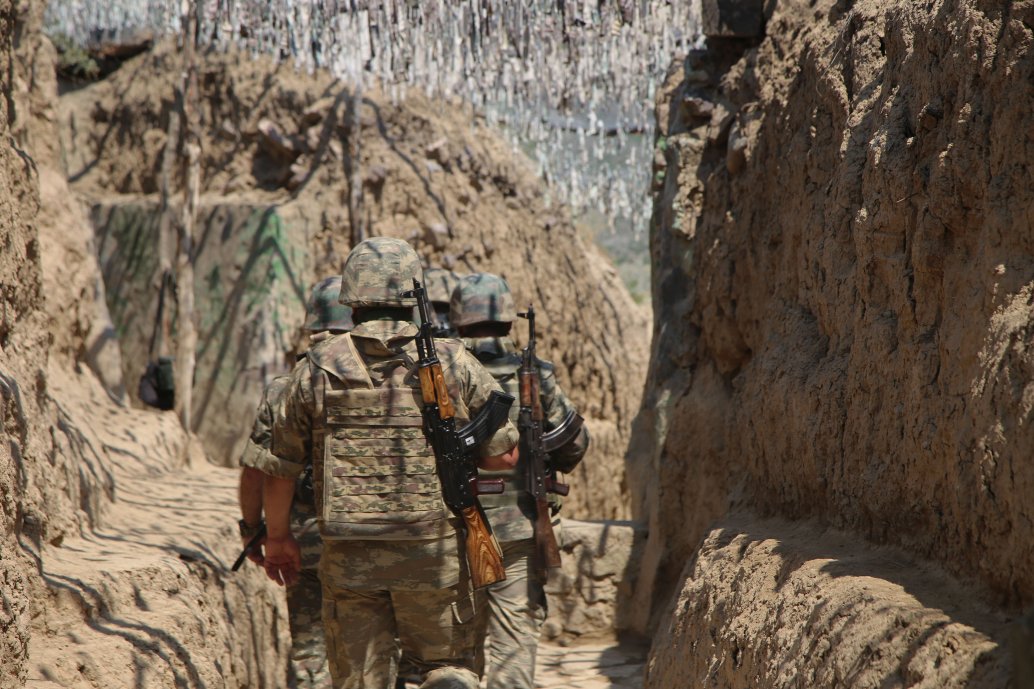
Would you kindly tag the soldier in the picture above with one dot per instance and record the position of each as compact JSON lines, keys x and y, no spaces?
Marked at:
{"x":393,"y":572}
{"x":440,"y":284}
{"x":482,"y":309}
{"x":308,"y":661}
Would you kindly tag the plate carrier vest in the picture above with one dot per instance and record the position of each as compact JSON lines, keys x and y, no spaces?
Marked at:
{"x":379,"y":479}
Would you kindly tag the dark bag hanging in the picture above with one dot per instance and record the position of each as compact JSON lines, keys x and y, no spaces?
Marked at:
{"x":157,"y":386}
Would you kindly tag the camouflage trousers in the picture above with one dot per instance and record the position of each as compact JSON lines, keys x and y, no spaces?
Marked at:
{"x":517,"y":611}
{"x":308,"y":667}
{"x":367,"y":628}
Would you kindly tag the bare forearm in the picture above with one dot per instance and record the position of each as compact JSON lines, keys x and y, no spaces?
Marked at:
{"x":250,"y":495}
{"x":276,"y":497}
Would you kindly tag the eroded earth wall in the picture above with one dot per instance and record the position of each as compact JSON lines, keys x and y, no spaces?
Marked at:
{"x":843,"y":288}
{"x":115,"y":533}
{"x":22,"y":356}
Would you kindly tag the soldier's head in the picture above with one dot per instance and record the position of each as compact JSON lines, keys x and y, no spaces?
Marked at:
{"x":440,"y":283}
{"x":482,"y":306}
{"x":376,"y":272}
{"x":325,"y":312}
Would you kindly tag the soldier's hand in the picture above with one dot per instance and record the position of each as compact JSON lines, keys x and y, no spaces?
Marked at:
{"x":255,"y":554}
{"x":283,"y":560}
{"x":503,"y":462}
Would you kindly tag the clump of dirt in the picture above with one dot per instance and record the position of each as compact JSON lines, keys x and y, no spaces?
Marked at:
{"x":431,"y":172}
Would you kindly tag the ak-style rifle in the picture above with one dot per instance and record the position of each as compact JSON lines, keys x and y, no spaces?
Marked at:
{"x":454,"y":451}
{"x":536,"y":444}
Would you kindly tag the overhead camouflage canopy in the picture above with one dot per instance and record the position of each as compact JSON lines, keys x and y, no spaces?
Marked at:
{"x":571,"y":81}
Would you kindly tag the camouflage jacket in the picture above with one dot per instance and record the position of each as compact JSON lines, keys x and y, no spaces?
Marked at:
{"x":512,"y":513}
{"x":257,"y":453}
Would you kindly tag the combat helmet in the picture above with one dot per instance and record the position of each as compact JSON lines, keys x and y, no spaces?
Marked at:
{"x":324,"y":311}
{"x":481,"y":298}
{"x":440,"y":283}
{"x":377,"y":270}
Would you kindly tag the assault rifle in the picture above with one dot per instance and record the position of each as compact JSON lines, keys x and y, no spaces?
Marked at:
{"x":454,"y":451}
{"x":535,"y":447}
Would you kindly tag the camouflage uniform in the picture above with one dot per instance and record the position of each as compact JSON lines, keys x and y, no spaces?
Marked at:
{"x":308,"y":660}
{"x":392,"y":569}
{"x":517,"y":606}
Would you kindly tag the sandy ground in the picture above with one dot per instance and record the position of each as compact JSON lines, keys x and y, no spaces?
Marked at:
{"x":597,"y":664}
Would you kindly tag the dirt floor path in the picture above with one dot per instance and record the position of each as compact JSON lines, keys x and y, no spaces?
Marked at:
{"x":597,"y":664}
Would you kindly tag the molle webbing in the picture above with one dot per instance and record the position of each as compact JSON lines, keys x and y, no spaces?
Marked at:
{"x":381,"y":480}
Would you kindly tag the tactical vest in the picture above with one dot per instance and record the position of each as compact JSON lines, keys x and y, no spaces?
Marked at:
{"x":378,"y":478}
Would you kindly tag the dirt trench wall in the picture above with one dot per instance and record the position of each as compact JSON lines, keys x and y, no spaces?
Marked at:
{"x":843,"y":278}
{"x":431,"y":172}
{"x":22,"y":355}
{"x":777,"y":604}
{"x":103,"y":585}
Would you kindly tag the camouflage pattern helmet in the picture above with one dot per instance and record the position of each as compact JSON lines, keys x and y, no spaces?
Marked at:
{"x":440,"y":284}
{"x":324,"y":311}
{"x":377,"y":270}
{"x":481,"y":298}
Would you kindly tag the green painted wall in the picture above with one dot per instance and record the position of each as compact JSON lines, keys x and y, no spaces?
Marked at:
{"x":252,"y":274}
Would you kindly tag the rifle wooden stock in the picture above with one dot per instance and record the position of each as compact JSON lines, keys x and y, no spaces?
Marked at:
{"x":483,"y":557}
{"x":547,"y":552}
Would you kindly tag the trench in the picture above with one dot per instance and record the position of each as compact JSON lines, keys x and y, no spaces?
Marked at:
{"x":752,"y":546}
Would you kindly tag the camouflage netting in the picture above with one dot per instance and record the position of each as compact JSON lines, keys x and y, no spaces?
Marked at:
{"x":572,"y":82}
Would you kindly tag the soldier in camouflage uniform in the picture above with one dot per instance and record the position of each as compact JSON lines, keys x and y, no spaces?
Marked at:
{"x":483,"y":311}
{"x":440,"y":283}
{"x":393,"y":572}
{"x":308,"y":661}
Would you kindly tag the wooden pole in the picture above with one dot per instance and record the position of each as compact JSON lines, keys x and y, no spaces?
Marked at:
{"x":186,"y":330}
{"x":354,"y":156}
